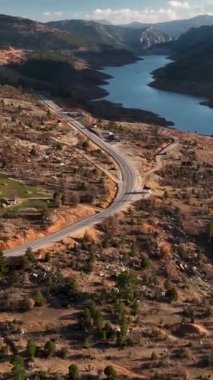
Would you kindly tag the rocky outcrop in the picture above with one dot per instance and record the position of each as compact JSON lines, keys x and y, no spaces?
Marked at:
{"x":151,"y":36}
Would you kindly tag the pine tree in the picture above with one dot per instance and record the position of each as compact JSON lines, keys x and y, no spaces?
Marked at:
{"x":110,"y":372}
{"x":73,"y":372}
{"x":18,"y":371}
{"x":31,"y":349}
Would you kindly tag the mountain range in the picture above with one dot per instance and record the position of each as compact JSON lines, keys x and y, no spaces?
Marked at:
{"x":74,"y":34}
{"x":89,"y":35}
{"x":177,"y":27}
{"x":118,"y":37}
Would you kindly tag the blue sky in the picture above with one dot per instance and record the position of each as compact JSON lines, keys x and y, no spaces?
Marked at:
{"x":116,"y":11}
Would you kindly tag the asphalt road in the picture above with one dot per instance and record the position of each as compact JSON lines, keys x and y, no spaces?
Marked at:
{"x":125,"y":193}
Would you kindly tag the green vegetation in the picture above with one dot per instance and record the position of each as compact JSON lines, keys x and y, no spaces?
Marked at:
{"x":67,"y":290}
{"x":73,"y":372}
{"x":18,"y":371}
{"x":30,"y":255}
{"x":171,"y":294}
{"x":127,"y":284}
{"x":12,"y":188}
{"x":92,"y":317}
{"x":3,"y":264}
{"x":31,"y":349}
{"x":49,"y":349}
{"x":124,"y":326}
{"x":210,"y":230}
{"x":110,"y":372}
{"x":43,"y":206}
{"x":39,"y":299}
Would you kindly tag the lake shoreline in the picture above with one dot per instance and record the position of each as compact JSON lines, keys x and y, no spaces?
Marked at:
{"x":162,"y":81}
{"x":185,"y":88}
{"x":112,"y":111}
{"x":115,"y":111}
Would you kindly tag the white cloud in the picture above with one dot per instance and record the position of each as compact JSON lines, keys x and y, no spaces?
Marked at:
{"x":179,"y":4}
{"x":53,"y":14}
{"x":126,"y":15}
{"x":175,"y":9}
{"x":59,"y":13}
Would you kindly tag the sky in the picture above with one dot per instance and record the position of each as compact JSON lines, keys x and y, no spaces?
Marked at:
{"x":115,"y":11}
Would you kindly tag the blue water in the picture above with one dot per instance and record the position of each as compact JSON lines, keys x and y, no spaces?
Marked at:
{"x":129,"y":86}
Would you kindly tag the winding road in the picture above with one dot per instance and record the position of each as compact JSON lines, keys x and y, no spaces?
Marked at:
{"x":125,"y":193}
{"x":127,"y":186}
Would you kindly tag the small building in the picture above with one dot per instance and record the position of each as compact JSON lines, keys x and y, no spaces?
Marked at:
{"x":11,"y":202}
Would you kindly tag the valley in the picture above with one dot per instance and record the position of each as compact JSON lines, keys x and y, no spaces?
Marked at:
{"x":106,"y":206}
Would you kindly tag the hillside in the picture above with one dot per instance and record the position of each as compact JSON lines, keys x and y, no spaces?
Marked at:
{"x":27,"y":34}
{"x":131,"y":297}
{"x":192,"y":69}
{"x":48,"y":46}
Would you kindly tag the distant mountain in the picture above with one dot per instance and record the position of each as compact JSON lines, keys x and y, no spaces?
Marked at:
{"x":177,"y":27}
{"x":192,"y":69}
{"x":119,"y":37}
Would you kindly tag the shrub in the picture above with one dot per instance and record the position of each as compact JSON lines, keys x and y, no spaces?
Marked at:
{"x":30,"y":255}
{"x":73,"y":372}
{"x":49,"y":348}
{"x":210,"y":230}
{"x":124,"y":325}
{"x":111,"y":373}
{"x":18,"y":371}
{"x":127,"y":284}
{"x":85,"y":144}
{"x":39,"y":299}
{"x":136,"y":307}
{"x":88,"y":197}
{"x":144,"y":262}
{"x":3,"y":263}
{"x":31,"y":349}
{"x":87,"y":343}
{"x":171,"y":295}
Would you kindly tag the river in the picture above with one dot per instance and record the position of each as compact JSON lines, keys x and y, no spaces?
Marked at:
{"x":129,"y":86}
